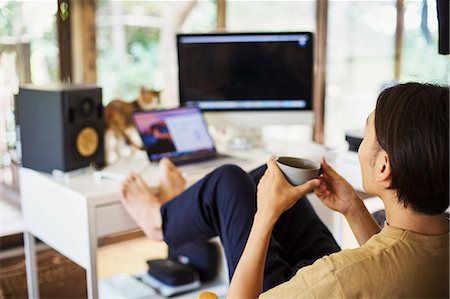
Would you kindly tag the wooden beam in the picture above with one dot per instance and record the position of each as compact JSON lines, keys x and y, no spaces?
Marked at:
{"x":64,"y":40}
{"x":84,"y":51}
{"x":24,"y":66}
{"x":320,"y":70}
{"x":400,"y":6}
{"x":221,"y":15}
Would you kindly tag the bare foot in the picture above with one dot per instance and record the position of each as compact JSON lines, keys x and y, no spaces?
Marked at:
{"x":172,"y":181}
{"x":142,"y":205}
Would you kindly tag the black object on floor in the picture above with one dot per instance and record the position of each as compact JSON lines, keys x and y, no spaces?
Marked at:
{"x":171,"y":272}
{"x":202,"y":256}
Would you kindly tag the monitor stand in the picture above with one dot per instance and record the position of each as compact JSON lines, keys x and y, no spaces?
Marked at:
{"x":237,"y":138}
{"x":252,"y":129}
{"x":268,"y":137}
{"x":244,"y":138}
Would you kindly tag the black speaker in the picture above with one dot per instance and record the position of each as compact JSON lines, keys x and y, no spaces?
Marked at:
{"x":61,"y":126}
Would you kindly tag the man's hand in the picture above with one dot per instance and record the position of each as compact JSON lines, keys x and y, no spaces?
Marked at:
{"x":337,"y":194}
{"x":276,"y":195}
{"x":334,"y":191}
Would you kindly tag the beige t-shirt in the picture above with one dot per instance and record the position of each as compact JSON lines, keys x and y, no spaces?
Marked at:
{"x":394,"y":263}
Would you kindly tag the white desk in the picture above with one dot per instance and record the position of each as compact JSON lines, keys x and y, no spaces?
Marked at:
{"x":69,"y":215}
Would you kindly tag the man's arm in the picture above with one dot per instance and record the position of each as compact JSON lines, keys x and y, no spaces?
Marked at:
{"x":361,"y":222}
{"x":248,"y":278}
{"x":275,"y":195}
{"x":337,"y":194}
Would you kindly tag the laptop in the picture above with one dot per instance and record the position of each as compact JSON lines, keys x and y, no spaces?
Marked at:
{"x":180,"y":135}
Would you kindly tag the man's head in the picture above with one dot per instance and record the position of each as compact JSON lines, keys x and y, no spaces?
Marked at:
{"x":406,"y":146}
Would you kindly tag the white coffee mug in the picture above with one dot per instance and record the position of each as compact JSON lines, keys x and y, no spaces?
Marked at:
{"x":297,"y":170}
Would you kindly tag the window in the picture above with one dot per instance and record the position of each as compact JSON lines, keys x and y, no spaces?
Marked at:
{"x":136,"y":44}
{"x":28,"y":53}
{"x":34,"y":23}
{"x":127,"y":46}
{"x":271,"y":15}
{"x":360,"y":61}
{"x":421,"y":61}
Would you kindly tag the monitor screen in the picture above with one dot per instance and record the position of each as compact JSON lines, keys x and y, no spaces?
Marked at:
{"x":246,"y":71}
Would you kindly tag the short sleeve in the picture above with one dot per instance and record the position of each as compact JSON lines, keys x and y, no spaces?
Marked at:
{"x":314,"y":281}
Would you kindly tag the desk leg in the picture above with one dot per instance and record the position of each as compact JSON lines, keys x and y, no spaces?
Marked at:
{"x":31,"y":265}
{"x":91,"y":270}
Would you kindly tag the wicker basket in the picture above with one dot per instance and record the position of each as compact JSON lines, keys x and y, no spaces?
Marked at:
{"x":58,"y":277}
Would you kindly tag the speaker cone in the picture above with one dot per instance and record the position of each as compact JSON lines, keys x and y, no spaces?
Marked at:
{"x":87,"y":141}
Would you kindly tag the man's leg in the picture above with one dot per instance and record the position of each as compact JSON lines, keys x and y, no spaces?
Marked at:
{"x":303,"y":235}
{"x":221,"y":204}
{"x":143,"y":205}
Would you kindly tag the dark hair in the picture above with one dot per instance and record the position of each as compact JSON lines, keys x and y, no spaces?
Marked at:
{"x":411,"y":125}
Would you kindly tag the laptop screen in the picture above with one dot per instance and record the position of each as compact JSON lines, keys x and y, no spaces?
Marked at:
{"x":173,"y":133}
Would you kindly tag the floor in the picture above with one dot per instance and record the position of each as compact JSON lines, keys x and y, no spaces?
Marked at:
{"x":128,"y":256}
{"x":122,"y":257}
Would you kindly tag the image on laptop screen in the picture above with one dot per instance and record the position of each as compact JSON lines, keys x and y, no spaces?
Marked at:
{"x":173,"y":133}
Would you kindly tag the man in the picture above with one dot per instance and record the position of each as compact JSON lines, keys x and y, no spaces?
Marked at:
{"x":404,"y":160}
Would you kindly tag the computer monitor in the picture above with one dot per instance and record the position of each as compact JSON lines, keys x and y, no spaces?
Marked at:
{"x":248,"y":79}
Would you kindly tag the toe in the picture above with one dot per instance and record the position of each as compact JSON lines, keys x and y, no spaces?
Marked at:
{"x":140,"y":181}
{"x":134,"y":177}
{"x":128,"y":179}
{"x":123,"y":193}
{"x":167,"y":164}
{"x":125,"y":184}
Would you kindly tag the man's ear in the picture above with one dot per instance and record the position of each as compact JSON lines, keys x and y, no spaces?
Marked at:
{"x":383,"y":168}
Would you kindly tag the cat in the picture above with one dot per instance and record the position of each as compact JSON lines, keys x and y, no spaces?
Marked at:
{"x":121,"y":137}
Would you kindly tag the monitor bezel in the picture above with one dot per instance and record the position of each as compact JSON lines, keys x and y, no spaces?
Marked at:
{"x":312,"y":49}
